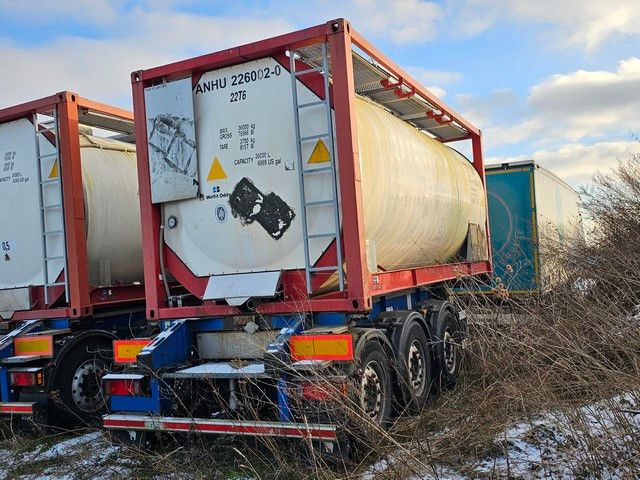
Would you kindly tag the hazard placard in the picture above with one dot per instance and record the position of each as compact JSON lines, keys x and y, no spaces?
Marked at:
{"x":320,"y":153}
{"x":216,"y":172}
{"x":54,"y":170}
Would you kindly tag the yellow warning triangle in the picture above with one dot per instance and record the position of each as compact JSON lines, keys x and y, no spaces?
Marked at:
{"x":54,"y":170}
{"x":320,"y":153}
{"x":216,"y":172}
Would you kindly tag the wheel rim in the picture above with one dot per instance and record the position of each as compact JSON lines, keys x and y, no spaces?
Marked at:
{"x":450,"y":352}
{"x":372,"y":391}
{"x":86,"y":385}
{"x":417,"y":373}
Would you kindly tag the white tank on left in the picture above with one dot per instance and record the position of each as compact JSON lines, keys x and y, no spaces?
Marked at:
{"x":112,"y":211}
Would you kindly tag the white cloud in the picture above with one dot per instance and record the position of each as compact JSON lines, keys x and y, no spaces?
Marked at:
{"x":155,"y":32}
{"x":437,"y":91}
{"x":482,"y":110}
{"x":591,"y":103}
{"x":576,"y":163}
{"x":582,"y":23}
{"x":434,"y":80}
{"x":401,"y":21}
{"x":100,"y":68}
{"x":433,"y":76}
{"x":469,"y":18}
{"x":572,"y":86}
{"x":95,"y":12}
{"x":564,"y":108}
{"x":574,"y":23}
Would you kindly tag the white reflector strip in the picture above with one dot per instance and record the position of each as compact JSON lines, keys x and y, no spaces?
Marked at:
{"x":220,"y":427}
{"x":123,"y":376}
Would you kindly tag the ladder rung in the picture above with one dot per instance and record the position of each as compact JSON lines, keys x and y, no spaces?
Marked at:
{"x":317,"y":170}
{"x":311,"y":61}
{"x":54,"y":284}
{"x":312,"y":104}
{"x":53,"y":232}
{"x":319,"y":202}
{"x":50,"y":181}
{"x":313,"y":137}
{"x":49,"y":155}
{"x":322,"y":235}
{"x":45,"y":130}
{"x":308,"y":70}
{"x":50,"y":207}
{"x":328,"y":167}
{"x":59,"y":257}
{"x":323,"y":269}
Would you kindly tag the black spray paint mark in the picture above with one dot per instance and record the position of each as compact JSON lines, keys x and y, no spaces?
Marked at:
{"x":270,"y":211}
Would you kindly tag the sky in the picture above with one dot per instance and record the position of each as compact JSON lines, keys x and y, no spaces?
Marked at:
{"x":553,"y":80}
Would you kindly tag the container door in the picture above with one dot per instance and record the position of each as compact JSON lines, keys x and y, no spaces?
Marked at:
{"x":512,"y":225}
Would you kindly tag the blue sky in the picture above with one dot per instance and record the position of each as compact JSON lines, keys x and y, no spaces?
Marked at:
{"x":557,"y":81}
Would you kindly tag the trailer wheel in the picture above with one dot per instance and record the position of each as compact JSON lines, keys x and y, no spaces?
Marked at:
{"x":448,"y":350}
{"x":374,"y":386}
{"x":79,"y":384}
{"x":417,"y":369}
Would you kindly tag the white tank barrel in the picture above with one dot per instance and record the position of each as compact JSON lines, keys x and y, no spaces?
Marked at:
{"x":112,"y":212}
{"x":110,"y":184}
{"x":419,"y":196}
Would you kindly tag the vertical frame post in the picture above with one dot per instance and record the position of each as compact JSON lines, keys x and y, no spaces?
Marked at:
{"x":478,"y":164}
{"x":149,"y":213}
{"x":358,"y":277}
{"x":478,"y":160}
{"x":77,"y":270}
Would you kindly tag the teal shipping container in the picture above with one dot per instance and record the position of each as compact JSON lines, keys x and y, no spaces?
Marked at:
{"x":530,"y":209}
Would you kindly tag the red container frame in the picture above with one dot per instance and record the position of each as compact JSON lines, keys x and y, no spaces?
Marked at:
{"x":362,"y":285}
{"x":84,"y":299}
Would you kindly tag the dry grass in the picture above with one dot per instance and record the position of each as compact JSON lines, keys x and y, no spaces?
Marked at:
{"x":557,"y":354}
{"x":575,"y":345}
{"x":565,"y":365}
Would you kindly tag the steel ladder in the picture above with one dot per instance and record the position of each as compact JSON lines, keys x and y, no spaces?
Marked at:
{"x":330,"y":169}
{"x":50,"y":135}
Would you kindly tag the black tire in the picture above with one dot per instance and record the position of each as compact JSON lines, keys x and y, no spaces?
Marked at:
{"x":79,"y":399}
{"x":448,"y":350}
{"x":416,"y":368}
{"x":374,"y":387}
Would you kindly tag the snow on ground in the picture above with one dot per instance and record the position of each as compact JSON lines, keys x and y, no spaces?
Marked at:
{"x":89,"y":455}
{"x":603,"y":437}
{"x":600,"y":440}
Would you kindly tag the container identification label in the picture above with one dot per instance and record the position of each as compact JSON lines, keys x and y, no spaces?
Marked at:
{"x":248,"y":216}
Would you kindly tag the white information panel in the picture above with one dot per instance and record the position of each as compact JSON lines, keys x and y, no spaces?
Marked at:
{"x":171,"y":141}
{"x":248,"y":217}
{"x":21,"y":236}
